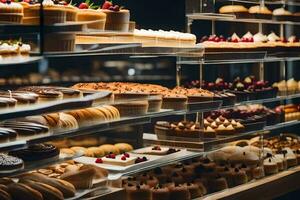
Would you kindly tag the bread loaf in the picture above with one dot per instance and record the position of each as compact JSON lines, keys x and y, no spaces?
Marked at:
{"x":19,"y":191}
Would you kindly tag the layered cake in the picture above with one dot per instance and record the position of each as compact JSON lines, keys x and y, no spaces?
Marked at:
{"x":11,"y":12}
{"x":96,"y":19}
{"x":117,"y":18}
{"x":31,"y":11}
{"x":125,"y":159}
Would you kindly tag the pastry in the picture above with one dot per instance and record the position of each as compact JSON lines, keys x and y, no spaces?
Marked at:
{"x":11,"y":12}
{"x":160,"y":193}
{"x":217,"y":184}
{"x":19,"y":191}
{"x":109,"y":148}
{"x":138,"y":192}
{"x":4,"y":194}
{"x":10,"y":163}
{"x":47,"y":191}
{"x":81,"y":179}
{"x":117,"y":18}
{"x":238,"y":10}
{"x":134,"y":108}
{"x":260,"y":12}
{"x":67,"y":189}
{"x":124,"y":147}
{"x":194,"y":190}
{"x":179,"y":192}
{"x":37,"y":152}
{"x":96,"y":151}
{"x":281,"y":14}
{"x":239,"y":177}
{"x":96,"y":18}
{"x":270,"y":166}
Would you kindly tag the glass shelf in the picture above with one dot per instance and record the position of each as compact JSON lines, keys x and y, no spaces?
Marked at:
{"x":40,"y":164}
{"x":19,"y":60}
{"x":130,"y":49}
{"x":164,"y":160}
{"x":232,"y":18}
{"x":275,"y":2}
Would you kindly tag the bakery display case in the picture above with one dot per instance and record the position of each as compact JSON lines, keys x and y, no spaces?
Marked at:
{"x":224,"y":127}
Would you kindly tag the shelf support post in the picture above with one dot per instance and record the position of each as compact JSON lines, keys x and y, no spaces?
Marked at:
{"x":261,"y":71}
{"x":178,"y":71}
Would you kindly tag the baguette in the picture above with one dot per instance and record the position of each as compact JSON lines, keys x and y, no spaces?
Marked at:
{"x":4,"y":195}
{"x":48,"y":192}
{"x":3,"y":187}
{"x":19,"y":191}
{"x":67,"y":189}
{"x":82,"y":179}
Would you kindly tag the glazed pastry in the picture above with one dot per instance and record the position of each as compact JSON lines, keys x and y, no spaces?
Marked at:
{"x":124,"y":147}
{"x":108,"y":148}
{"x":260,"y":12}
{"x":281,"y":14}
{"x":238,"y":10}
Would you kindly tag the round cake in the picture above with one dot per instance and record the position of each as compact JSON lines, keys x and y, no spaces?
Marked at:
{"x":11,"y":12}
{"x":10,"y":163}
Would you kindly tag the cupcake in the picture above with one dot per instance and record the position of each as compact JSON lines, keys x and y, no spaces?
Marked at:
{"x":239,"y":177}
{"x":238,"y":10}
{"x":194,"y":190}
{"x":270,"y":166}
{"x":258,"y":172}
{"x":53,"y":13}
{"x":96,"y":18}
{"x":281,"y":14}
{"x":11,"y":12}
{"x":260,"y":12}
{"x":217,"y":184}
{"x":158,"y":173}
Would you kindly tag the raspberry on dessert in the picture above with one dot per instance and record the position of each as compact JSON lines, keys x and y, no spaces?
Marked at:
{"x":235,"y":40}
{"x":123,"y":158}
{"x":126,"y":155}
{"x":113,"y":156}
{"x":83,"y":6}
{"x":107,"y":5}
{"x":99,"y":160}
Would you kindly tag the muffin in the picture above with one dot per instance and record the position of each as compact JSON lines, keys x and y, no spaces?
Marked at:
{"x":96,"y":18}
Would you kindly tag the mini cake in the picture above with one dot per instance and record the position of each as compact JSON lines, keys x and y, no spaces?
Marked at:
{"x":160,"y":193}
{"x":260,"y":12}
{"x":11,"y":12}
{"x":281,"y":14}
{"x":239,"y":177}
{"x":117,"y":18}
{"x":258,"y":172}
{"x":194,"y":190}
{"x":174,"y":101}
{"x":270,"y":166}
{"x":177,"y":178}
{"x":238,"y":10}
{"x":134,"y":108}
{"x":152,"y":181}
{"x":53,"y":13}
{"x":187,"y":175}
{"x":217,"y":184}
{"x":96,"y":18}
{"x":160,"y":175}
{"x":179,"y":192}
{"x":138,"y":192}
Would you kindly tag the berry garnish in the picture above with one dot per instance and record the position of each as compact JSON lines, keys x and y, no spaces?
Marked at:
{"x":107,"y":5}
{"x":107,"y":156}
{"x":156,"y":148}
{"x":113,"y":156}
{"x":99,"y":160}
{"x":83,"y":6}
{"x":144,"y":158}
{"x":116,"y":8}
{"x":123,"y":158}
{"x":284,"y":40}
{"x":251,"y":40}
{"x":235,"y":40}
{"x":3,"y":1}
{"x":126,"y":155}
